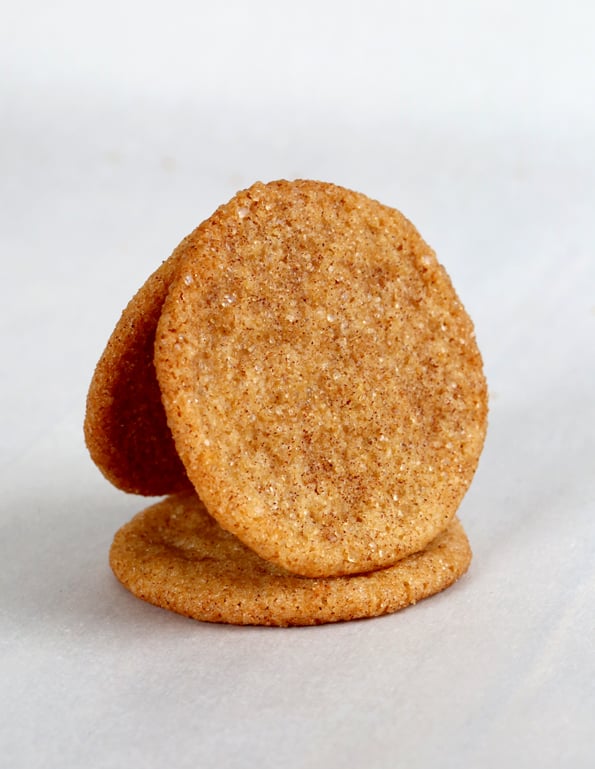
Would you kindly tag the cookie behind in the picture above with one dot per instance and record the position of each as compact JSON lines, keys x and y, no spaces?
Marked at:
{"x":125,"y":426}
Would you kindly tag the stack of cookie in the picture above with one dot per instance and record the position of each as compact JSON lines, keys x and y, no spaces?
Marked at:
{"x":302,"y":380}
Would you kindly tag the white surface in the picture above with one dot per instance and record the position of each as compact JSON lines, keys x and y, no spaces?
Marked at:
{"x":123,"y":125}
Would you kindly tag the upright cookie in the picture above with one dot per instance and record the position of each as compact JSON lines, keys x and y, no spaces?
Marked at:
{"x":125,"y":426}
{"x":321,"y":378}
{"x":176,"y":556}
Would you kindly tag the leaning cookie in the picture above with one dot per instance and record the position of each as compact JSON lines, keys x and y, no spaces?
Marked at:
{"x":321,"y":378}
{"x":176,"y":556}
{"x":125,"y":426}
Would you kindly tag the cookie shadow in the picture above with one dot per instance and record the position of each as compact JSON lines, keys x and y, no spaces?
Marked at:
{"x":56,"y":573}
{"x":528,"y":482}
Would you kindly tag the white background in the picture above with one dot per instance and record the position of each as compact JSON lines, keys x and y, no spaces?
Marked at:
{"x":122,"y":126}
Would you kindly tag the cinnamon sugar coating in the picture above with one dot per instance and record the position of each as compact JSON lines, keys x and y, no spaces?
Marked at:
{"x":321,"y":378}
{"x":176,"y":556}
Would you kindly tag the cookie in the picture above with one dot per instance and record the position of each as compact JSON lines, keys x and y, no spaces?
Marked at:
{"x":321,"y":378}
{"x":125,"y":426}
{"x":176,"y":556}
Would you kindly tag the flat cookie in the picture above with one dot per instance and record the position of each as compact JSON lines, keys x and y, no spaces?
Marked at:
{"x":176,"y":556}
{"x":321,"y":378}
{"x":125,"y":426}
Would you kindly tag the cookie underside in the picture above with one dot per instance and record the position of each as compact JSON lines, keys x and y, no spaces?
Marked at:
{"x":176,"y":556}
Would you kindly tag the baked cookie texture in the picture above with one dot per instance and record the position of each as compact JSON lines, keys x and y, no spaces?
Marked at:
{"x":175,"y":555}
{"x":302,"y":364}
{"x":320,"y":378}
{"x":125,"y":426}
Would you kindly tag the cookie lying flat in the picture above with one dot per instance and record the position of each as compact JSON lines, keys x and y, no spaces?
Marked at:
{"x":125,"y":426}
{"x":321,"y":378}
{"x":176,"y":556}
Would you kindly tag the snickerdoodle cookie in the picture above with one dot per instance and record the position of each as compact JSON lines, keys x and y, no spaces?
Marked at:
{"x":321,"y":378}
{"x":176,"y":556}
{"x":125,"y":426}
